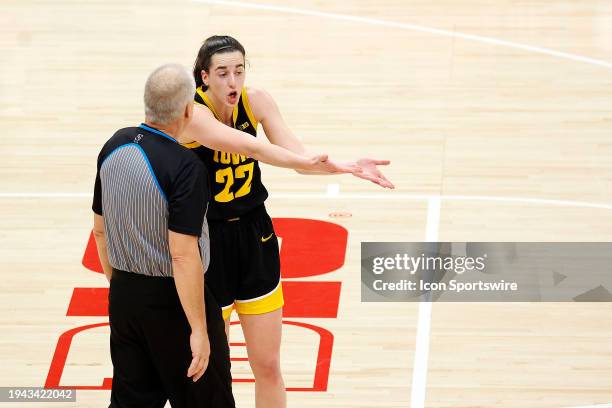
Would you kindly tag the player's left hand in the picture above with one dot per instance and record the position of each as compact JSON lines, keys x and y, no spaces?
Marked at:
{"x":369,"y":171}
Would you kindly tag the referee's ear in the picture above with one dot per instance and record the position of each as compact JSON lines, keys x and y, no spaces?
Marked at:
{"x":188,"y":114}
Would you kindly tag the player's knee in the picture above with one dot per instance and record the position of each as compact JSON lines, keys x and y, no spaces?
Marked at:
{"x":267,"y":369}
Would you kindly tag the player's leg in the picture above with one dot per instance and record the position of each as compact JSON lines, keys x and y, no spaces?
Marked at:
{"x":259,"y":305}
{"x":262,"y":333}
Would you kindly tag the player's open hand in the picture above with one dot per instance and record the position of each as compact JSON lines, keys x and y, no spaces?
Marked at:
{"x":200,"y":351}
{"x":321,"y":163}
{"x":369,"y":171}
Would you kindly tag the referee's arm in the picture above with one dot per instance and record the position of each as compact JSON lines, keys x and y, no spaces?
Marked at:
{"x":187,"y":200}
{"x":98,"y":232}
{"x":189,"y":280}
{"x":98,"y":227}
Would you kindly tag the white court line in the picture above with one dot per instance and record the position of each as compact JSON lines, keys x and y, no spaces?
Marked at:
{"x":390,"y":196}
{"x":333,"y":190}
{"x":595,"y":406}
{"x":45,"y":195}
{"x":413,"y":27}
{"x":421,"y":350}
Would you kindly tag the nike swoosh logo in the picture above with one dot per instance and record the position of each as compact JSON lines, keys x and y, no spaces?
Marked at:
{"x":267,"y":238}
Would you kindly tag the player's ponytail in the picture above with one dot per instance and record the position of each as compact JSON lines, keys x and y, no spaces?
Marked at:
{"x":213,"y":45}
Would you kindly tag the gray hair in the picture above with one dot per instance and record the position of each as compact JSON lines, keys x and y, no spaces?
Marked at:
{"x":167,"y":92}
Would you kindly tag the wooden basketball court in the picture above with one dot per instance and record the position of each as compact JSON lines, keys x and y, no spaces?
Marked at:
{"x":496,"y":116}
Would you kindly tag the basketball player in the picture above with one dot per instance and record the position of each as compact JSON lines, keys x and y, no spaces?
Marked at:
{"x":244,"y":273}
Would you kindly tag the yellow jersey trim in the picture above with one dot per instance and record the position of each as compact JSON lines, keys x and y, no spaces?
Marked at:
{"x":235,"y":115}
{"x":191,"y":145}
{"x":199,"y":92}
{"x":247,"y":108}
{"x":227,"y":311}
{"x":264,"y":304}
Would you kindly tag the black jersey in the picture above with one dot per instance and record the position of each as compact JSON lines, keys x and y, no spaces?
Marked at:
{"x":235,"y":179}
{"x":147,"y":184}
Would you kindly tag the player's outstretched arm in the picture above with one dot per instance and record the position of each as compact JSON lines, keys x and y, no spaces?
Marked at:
{"x":267,"y":113}
{"x":208,"y":131}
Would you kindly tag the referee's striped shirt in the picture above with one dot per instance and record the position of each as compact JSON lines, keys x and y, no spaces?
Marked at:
{"x":147,"y":184}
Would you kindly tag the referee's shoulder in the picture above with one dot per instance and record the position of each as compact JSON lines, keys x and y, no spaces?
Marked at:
{"x":119,"y":138}
{"x":122,"y":136}
{"x":124,"y":132}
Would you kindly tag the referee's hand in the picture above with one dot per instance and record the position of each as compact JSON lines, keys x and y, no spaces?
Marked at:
{"x":200,"y":350}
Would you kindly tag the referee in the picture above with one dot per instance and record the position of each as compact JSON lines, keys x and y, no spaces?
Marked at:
{"x":150,"y":199}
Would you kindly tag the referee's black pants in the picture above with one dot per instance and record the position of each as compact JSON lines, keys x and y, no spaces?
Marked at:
{"x":150,"y":347}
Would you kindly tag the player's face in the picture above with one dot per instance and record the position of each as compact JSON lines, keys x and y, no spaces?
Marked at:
{"x":225,"y":77}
